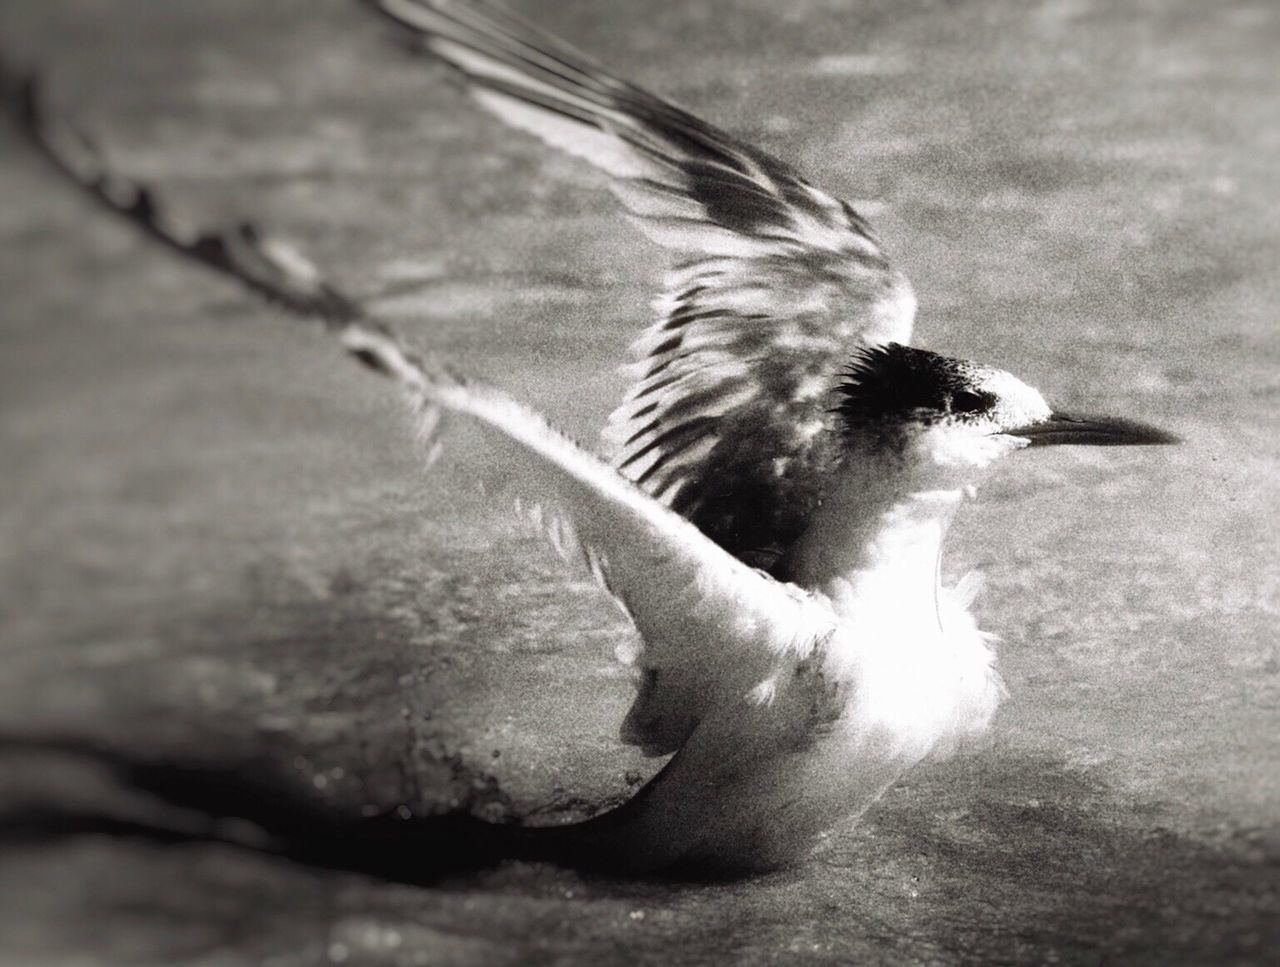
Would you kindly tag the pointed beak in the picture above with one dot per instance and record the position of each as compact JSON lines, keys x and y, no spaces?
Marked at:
{"x":1062,"y":428}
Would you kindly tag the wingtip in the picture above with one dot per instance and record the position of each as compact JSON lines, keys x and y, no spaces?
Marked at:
{"x":20,"y":92}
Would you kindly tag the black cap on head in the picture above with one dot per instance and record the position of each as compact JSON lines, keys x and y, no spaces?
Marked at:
{"x":894,"y":384}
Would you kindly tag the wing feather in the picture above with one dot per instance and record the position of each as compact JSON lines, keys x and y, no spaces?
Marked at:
{"x":779,"y":283}
{"x":711,"y":627}
{"x":267,"y":266}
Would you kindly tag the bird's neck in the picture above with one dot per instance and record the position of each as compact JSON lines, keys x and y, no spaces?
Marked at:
{"x":880,"y":531}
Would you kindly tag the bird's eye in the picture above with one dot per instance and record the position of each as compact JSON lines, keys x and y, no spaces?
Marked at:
{"x":966,"y":402}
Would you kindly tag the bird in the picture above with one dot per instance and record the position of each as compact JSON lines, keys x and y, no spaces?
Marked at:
{"x":786,"y":464}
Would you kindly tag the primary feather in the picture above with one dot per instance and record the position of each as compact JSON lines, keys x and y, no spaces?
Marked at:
{"x":778,"y":282}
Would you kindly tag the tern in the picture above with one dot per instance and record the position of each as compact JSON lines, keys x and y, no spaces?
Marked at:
{"x":786,"y":464}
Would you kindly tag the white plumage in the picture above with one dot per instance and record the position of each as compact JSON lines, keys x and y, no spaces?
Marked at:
{"x":786,"y":468}
{"x":790,"y":698}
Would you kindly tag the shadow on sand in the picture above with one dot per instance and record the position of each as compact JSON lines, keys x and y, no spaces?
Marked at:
{"x":1029,"y":858}
{"x":253,"y":804}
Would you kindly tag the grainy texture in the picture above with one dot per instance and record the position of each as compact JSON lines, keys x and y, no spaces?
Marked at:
{"x":216,"y":543}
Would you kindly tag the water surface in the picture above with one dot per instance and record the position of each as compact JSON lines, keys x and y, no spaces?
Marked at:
{"x":216,"y":543}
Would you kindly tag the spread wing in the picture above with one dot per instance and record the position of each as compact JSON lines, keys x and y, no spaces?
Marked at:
{"x":711,"y":627}
{"x":266,"y":266}
{"x":778,"y":282}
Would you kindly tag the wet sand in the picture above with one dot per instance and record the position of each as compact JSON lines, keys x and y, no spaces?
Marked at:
{"x":217,"y":546}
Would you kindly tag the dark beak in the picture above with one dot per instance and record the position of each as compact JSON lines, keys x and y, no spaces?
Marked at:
{"x":1061,"y":428}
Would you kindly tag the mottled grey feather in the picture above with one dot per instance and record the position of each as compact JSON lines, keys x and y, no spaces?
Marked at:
{"x":779,"y":284}
{"x":729,"y":421}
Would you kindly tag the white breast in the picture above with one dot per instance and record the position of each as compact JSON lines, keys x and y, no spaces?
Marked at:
{"x":921,"y":675}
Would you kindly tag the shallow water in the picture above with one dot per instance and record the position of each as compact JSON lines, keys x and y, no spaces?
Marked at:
{"x":216,"y":544}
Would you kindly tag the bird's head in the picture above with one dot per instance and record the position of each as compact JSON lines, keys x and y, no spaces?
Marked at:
{"x":961,"y":414}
